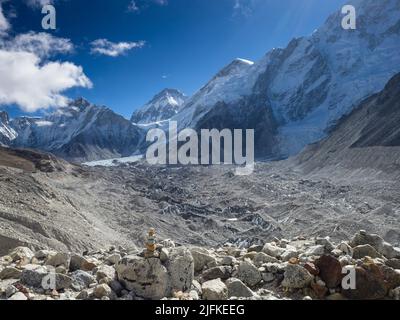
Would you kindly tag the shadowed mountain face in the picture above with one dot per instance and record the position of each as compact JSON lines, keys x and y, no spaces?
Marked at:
{"x":80,"y":132}
{"x":367,"y":138}
{"x":7,"y":134}
{"x":302,"y":90}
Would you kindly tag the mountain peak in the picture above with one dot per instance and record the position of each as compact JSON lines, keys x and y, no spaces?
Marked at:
{"x":80,"y":102}
{"x":4,"y":118}
{"x":163,"y":106}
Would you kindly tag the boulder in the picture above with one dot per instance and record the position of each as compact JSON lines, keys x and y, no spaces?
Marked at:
{"x":228,"y":261}
{"x":62,"y":281}
{"x":79,"y":262}
{"x":330,"y":270}
{"x":147,"y":278}
{"x":223,"y":272}
{"x":164,"y":255}
{"x":113,"y":258}
{"x":393,"y":263}
{"x":180,"y":268}
{"x":18,"y":296}
{"x":386,"y":249}
{"x":391,"y":276}
{"x":105,"y":273}
{"x":260,"y":258}
{"x":202,"y":258}
{"x":296,"y":277}
{"x":317,"y":250}
{"x":273,"y":250}
{"x":289,"y":254}
{"x":81,"y":280}
{"x":370,"y":284}
{"x":101,"y":291}
{"x":249,"y":274}
{"x":365,"y":250}
{"x":238,"y":289}
{"x":21,"y":253}
{"x":59,"y":259}
{"x":214,"y":290}
{"x":326,"y":243}
{"x":10,"y":273}
{"x":33,"y":275}
{"x":311,"y":268}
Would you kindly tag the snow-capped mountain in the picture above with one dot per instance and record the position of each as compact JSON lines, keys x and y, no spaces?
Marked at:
{"x":79,"y":132}
{"x":300,"y":91}
{"x":163,"y":106}
{"x":7,"y":134}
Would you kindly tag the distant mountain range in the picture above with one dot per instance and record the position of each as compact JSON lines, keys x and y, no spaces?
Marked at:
{"x":292,"y":97}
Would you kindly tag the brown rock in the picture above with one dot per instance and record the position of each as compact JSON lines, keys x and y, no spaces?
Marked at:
{"x":370,"y":283}
{"x":312,"y":268}
{"x":320,"y":291}
{"x":330,"y":270}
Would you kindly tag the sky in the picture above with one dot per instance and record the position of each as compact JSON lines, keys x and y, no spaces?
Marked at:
{"x":120,"y":53}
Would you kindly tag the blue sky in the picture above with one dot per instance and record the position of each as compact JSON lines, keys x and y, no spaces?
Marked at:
{"x":186,"y":41}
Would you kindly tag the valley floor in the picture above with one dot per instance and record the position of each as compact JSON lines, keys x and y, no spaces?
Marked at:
{"x":79,"y":208}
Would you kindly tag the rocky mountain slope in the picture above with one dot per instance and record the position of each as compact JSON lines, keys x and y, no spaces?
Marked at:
{"x":79,"y":132}
{"x":7,"y":134}
{"x":163,"y":106}
{"x":298,"y":92}
{"x":367,"y":138}
{"x":291,"y":97}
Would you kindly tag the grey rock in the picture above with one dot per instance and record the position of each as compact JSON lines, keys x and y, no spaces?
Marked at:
{"x":147,"y":278}
{"x":81,"y":280}
{"x":365,"y":250}
{"x":296,"y":277}
{"x":214,"y":290}
{"x":59,"y":259}
{"x":237,"y":288}
{"x":273,"y":250}
{"x":223,"y":272}
{"x":10,"y":273}
{"x":101,"y":291}
{"x":249,"y":274}
{"x":261,"y":258}
{"x":180,"y":268}
{"x":21,"y":253}
{"x":202,"y":258}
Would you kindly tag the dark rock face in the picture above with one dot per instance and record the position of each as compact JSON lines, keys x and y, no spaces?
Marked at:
{"x":80,"y":132}
{"x":371,"y":284}
{"x":330,"y":270}
{"x":367,"y":137}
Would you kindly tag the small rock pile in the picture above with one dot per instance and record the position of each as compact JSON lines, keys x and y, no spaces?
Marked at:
{"x":299,"y":268}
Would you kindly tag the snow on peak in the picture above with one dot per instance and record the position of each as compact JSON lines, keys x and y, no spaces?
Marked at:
{"x":163,"y":106}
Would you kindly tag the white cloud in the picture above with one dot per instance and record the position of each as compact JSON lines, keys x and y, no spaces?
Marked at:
{"x":26,"y":79}
{"x":33,"y":85}
{"x":113,"y":49}
{"x":133,"y":7}
{"x":38,"y":3}
{"x":243,"y":8}
{"x":4,"y":25}
{"x":137,"y":5}
{"x":42,"y":44}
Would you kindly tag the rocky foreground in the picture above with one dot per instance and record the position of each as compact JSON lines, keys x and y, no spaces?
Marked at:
{"x":284,"y":269}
